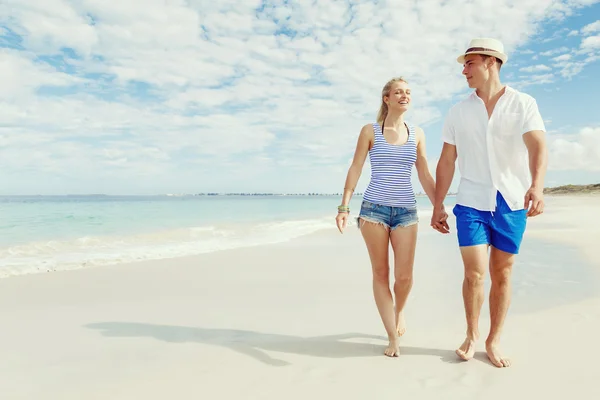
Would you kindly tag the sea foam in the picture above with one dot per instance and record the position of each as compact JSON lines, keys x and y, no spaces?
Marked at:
{"x":90,"y":251}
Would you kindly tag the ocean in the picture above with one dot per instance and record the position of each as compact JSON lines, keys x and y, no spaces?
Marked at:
{"x":48,"y":233}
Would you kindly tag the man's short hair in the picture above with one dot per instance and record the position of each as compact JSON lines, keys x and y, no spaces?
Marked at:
{"x":498,"y":61}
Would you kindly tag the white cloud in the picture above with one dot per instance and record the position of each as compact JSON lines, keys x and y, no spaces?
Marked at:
{"x":225,"y":94}
{"x":562,"y":9}
{"x":591,"y":28}
{"x":592,"y":58}
{"x":49,"y":25}
{"x":21,"y":75}
{"x":538,"y":79}
{"x":553,"y":52}
{"x":591,"y":43}
{"x":536,"y":68}
{"x":570,"y":69}
{"x":561,"y":58}
{"x":580,"y":151}
{"x":573,"y":62}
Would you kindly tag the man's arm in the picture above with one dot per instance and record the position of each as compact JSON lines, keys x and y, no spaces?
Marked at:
{"x":443,"y":174}
{"x":535,"y":142}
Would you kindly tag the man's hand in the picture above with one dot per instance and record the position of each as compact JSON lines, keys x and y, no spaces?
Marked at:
{"x":438,"y":220}
{"x":534,"y":201}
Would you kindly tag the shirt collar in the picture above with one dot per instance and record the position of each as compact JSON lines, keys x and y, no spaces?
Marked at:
{"x":508,"y":89}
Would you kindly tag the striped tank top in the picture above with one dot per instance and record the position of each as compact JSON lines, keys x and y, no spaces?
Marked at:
{"x":391,"y":169}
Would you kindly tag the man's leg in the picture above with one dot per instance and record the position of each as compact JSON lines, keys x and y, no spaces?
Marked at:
{"x":473,"y":238}
{"x":500,"y":271}
{"x":507,"y":228}
{"x":475,"y":261}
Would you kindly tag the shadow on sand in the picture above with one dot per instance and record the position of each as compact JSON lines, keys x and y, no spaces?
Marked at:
{"x":254,"y":344}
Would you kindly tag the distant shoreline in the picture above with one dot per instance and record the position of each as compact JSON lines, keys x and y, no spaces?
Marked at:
{"x":198,"y":195}
{"x":573,"y":189}
{"x":557,"y":190}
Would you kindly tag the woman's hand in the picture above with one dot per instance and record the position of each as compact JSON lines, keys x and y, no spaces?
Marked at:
{"x":341,"y":220}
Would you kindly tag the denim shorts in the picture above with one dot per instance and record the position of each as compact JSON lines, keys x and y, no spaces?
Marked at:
{"x":390,"y":217}
{"x":503,"y":228}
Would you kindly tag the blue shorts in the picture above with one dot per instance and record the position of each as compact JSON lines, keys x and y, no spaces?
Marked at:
{"x":390,"y":217}
{"x":503,"y":228}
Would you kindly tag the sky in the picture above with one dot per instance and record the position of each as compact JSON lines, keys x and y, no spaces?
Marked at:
{"x":190,"y":96}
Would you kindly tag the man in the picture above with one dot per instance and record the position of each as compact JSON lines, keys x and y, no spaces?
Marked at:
{"x":497,"y":136}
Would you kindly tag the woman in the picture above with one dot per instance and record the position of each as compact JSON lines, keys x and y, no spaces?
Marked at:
{"x":389,"y":213}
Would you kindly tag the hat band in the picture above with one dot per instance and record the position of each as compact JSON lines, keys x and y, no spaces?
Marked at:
{"x":479,"y":49}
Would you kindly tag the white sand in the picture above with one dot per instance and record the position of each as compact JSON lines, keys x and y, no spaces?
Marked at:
{"x":296,"y":321}
{"x":571,"y":220}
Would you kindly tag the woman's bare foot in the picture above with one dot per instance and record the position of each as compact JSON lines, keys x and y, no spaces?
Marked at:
{"x":393,"y":349}
{"x":467,"y":350}
{"x":401,"y":325}
{"x":495,"y":357}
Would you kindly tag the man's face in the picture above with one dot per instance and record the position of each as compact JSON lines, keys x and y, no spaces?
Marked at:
{"x":476,"y":70}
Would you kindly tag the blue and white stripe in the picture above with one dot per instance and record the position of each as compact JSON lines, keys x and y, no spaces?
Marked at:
{"x":391,"y":169}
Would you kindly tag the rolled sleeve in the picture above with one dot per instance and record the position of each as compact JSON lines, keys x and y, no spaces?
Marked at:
{"x":532,"y":119}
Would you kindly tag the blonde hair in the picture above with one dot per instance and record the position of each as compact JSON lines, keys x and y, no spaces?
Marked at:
{"x":383,"y":109}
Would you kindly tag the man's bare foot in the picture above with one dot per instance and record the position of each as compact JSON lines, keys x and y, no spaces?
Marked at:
{"x":495,"y":357}
{"x":393,"y":349}
{"x":467,"y":350}
{"x":401,"y":325}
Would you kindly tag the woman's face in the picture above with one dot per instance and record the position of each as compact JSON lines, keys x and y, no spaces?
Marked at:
{"x":399,"y":96}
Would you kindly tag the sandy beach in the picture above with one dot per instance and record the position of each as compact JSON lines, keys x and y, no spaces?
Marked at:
{"x":297,"y":320}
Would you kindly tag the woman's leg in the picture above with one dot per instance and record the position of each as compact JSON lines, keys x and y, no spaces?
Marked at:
{"x":404,"y":241}
{"x":377,"y":239}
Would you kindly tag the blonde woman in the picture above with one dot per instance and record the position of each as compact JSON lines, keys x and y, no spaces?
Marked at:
{"x":388,"y":213}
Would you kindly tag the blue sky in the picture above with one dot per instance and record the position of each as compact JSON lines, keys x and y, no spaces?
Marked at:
{"x":147,"y":97}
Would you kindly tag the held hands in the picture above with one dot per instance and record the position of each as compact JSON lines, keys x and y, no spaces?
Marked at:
{"x":439,"y":220}
{"x":534,"y":201}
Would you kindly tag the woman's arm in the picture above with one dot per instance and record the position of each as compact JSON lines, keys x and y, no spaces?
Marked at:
{"x":365,"y":140}
{"x":423,"y":172}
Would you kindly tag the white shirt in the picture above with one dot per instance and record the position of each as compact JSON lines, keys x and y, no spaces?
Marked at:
{"x":492,"y":155}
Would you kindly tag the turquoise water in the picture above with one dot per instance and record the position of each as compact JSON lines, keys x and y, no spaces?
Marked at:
{"x":26,"y":219}
{"x":44,"y":233}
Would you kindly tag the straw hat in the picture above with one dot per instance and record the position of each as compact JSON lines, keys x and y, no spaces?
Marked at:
{"x":490,"y":47}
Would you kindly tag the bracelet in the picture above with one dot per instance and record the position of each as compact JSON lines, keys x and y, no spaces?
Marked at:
{"x":343,"y":209}
{"x":352,"y":190}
